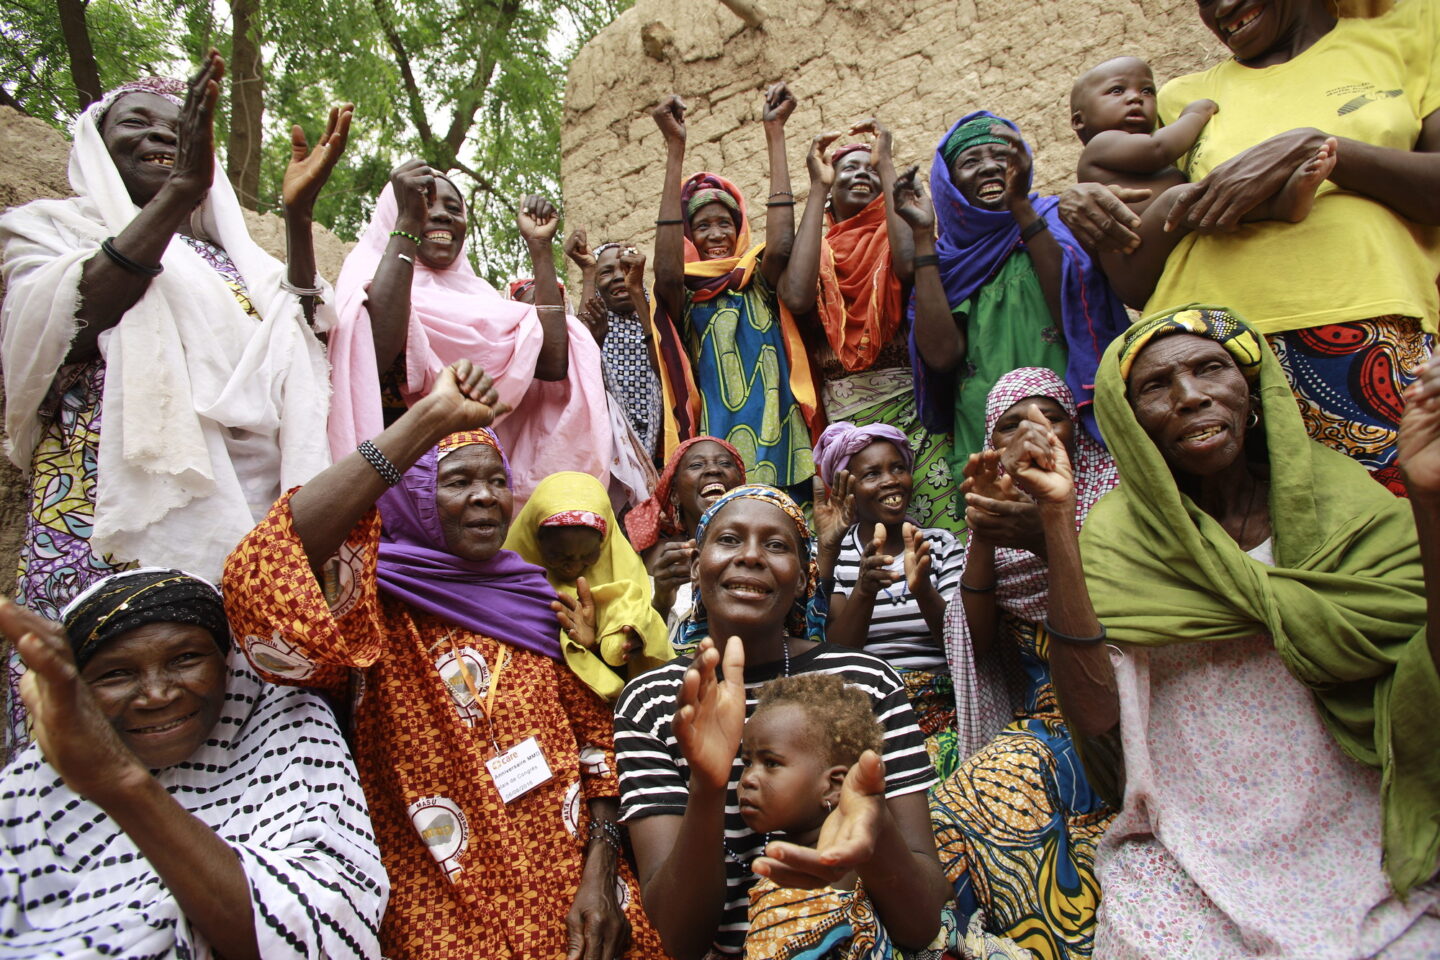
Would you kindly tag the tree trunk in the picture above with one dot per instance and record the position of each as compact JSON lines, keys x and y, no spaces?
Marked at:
{"x":247,"y":102}
{"x":83,"y":71}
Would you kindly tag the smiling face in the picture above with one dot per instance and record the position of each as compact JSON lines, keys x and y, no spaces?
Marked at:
{"x":444,"y":234}
{"x":1060,"y":422}
{"x":856,"y":184}
{"x":787,"y":773}
{"x":713,"y":231}
{"x":139,"y":133}
{"x":1117,"y":95}
{"x":749,"y":569}
{"x":881,"y":482}
{"x":162,"y":686}
{"x":1192,"y":401}
{"x":1254,"y":28}
{"x":979,"y":174}
{"x":610,"y":282}
{"x":474,"y":501}
{"x":706,"y":471}
{"x":567,"y":552}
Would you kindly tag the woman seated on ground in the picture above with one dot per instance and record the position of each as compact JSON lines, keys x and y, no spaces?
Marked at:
{"x":210,"y":376}
{"x":1349,"y":340}
{"x":891,"y":577}
{"x":173,"y":804}
{"x":734,"y":362}
{"x":1265,"y":700}
{"x":1012,"y":288}
{"x":850,"y":281}
{"x":662,"y":528}
{"x":1017,"y":824}
{"x":475,"y":743}
{"x":411,"y":304}
{"x":680,"y":768}
{"x":611,"y":630}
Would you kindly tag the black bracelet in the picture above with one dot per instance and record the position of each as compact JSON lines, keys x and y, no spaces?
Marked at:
{"x":125,"y":263}
{"x":971,"y":589}
{"x":381,"y":463}
{"x":1077,"y":641}
{"x":926,"y":260}
{"x":780,"y":203}
{"x":608,"y":832}
{"x":1040,"y":224}
{"x":668,"y":223}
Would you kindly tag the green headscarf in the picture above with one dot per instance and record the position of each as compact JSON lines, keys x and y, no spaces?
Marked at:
{"x":969,"y":135}
{"x":1344,"y":603}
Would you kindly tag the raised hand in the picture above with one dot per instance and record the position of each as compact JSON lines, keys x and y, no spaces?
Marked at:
{"x":577,"y":614}
{"x":884,"y":140}
{"x":875,"y":573}
{"x":822,"y":171}
{"x":1419,"y":440}
{"x":1017,"y":166}
{"x":537,"y":218}
{"x":834,"y":510}
{"x":711,"y":716}
{"x":779,"y":104}
{"x":577,"y":248}
{"x":75,"y":736}
{"x":847,"y":838}
{"x":632,"y":262}
{"x":194,"y":168}
{"x":464,"y":398}
{"x":669,"y":564}
{"x":918,"y":562}
{"x":982,"y":476}
{"x":596,"y":317}
{"x":1037,"y":460}
{"x":669,"y":116}
{"x":414,"y":185}
{"x":911,"y":202}
{"x":309,"y":169}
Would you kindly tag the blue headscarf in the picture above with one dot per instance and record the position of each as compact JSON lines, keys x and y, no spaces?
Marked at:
{"x":972,"y":246}
{"x":807,"y":617}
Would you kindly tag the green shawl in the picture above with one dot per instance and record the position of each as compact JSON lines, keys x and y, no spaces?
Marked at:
{"x":1344,"y":603}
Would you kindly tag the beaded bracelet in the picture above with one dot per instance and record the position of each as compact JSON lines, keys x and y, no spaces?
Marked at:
{"x":125,"y":263}
{"x":608,"y":832}
{"x":408,"y":236}
{"x":1077,"y":641}
{"x":783,"y":193}
{"x":387,"y":470}
{"x":1034,"y":228}
{"x":927,"y":260}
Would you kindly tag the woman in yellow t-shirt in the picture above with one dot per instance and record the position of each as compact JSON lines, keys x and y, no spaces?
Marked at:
{"x":1347,"y":297}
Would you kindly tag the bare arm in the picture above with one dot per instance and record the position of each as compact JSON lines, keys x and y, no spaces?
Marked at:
{"x":670,"y":228}
{"x":938,"y":337}
{"x":304,"y":177}
{"x":107,"y":290}
{"x":981,"y":612}
{"x":388,"y":298}
{"x":577,"y":248}
{"x":1133,"y":276}
{"x":1149,"y":152}
{"x":1406,"y":181}
{"x":1044,"y":251}
{"x":538,"y":221}
{"x":779,"y":220}
{"x":799,"y":284}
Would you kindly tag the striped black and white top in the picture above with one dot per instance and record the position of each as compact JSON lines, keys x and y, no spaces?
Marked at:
{"x":654,"y":776}
{"x":899,"y":634}
{"x":275,"y":781}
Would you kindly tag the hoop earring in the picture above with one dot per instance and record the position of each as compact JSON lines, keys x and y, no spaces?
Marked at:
{"x":828,"y":806}
{"x":1253,"y":420}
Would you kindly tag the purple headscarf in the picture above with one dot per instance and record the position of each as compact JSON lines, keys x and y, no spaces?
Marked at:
{"x":503,"y":597}
{"x":842,"y":440}
{"x":972,"y":246}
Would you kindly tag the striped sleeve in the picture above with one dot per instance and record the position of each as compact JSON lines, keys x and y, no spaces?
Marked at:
{"x":651,"y":779}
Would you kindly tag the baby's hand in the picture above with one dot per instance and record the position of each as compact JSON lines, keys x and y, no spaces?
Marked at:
{"x":1206,"y":107}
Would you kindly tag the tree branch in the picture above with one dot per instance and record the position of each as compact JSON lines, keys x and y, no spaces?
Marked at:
{"x":402,"y":60}
{"x":483,"y":182}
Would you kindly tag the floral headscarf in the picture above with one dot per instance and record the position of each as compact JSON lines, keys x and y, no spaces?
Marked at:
{"x":1215,"y":323}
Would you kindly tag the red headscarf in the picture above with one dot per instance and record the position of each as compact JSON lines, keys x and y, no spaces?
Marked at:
{"x":657,"y":517}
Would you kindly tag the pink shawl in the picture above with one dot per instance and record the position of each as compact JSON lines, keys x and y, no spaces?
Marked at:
{"x":454,"y":315}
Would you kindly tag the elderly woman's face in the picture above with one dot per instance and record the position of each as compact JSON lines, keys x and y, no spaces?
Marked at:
{"x":139,"y":132}
{"x":712,"y":230}
{"x":1192,"y":400}
{"x":706,"y":471}
{"x":1060,"y":422}
{"x":162,"y":686}
{"x":474,"y":501}
{"x":749,"y":568}
{"x":979,"y":174}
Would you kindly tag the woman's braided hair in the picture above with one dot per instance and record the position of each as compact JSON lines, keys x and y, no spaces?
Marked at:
{"x":844,"y":722}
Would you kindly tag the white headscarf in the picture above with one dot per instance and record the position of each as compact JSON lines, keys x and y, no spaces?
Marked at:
{"x":208,"y":413}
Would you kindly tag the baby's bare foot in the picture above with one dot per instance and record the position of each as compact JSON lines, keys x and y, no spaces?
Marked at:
{"x":1295,"y":199}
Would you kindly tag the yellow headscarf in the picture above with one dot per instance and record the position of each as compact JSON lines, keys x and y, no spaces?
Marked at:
{"x":618,"y":581}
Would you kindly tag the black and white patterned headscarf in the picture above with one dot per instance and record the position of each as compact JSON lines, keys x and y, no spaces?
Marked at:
{"x":132,"y":598}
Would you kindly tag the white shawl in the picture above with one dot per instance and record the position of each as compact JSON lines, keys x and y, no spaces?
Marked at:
{"x":208,"y":413}
{"x":275,"y":781}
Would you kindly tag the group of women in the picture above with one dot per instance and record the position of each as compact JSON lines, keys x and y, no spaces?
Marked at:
{"x":1150,"y":652}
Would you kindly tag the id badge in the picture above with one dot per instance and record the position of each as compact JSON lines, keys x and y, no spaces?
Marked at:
{"x":519,"y":770}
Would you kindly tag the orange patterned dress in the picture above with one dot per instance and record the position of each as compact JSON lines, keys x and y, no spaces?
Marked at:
{"x":470,"y":876}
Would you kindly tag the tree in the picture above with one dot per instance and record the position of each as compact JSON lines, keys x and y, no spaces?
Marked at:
{"x":84,"y":71}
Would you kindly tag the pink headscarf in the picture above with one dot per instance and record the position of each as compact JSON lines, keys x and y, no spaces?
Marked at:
{"x":455,"y":315}
{"x":840,"y":441}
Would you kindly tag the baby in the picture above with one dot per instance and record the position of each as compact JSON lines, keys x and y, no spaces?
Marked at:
{"x":1112,"y":110}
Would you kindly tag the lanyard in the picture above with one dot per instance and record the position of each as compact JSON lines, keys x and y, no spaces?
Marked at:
{"x":502,"y":661}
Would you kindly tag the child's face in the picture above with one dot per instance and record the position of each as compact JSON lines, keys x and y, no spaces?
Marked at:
{"x":567,"y":552}
{"x":1117,"y":95}
{"x":787,"y":776}
{"x":881,"y":483}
